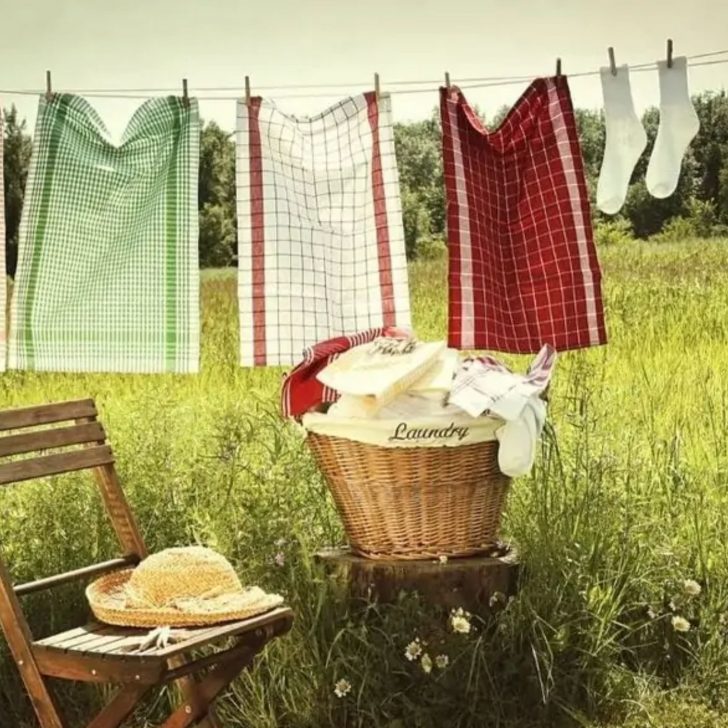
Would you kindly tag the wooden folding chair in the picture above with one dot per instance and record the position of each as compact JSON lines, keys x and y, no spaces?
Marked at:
{"x":72,"y":439}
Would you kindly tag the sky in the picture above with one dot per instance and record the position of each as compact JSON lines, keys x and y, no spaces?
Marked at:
{"x":114,"y":44}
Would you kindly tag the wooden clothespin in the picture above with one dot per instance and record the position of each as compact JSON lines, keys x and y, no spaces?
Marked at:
{"x":669,"y":52}
{"x":558,"y":66}
{"x":247,"y":90}
{"x":376,"y":85}
{"x":185,"y":97}
{"x":612,"y":64}
{"x":49,"y":87}
{"x":447,"y":80}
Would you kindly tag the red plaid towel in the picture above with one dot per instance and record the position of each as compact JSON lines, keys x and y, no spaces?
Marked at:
{"x":523,"y":266}
{"x":321,"y":242}
{"x":302,"y":391}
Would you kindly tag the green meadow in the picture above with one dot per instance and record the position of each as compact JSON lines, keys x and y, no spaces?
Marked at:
{"x":628,"y":500}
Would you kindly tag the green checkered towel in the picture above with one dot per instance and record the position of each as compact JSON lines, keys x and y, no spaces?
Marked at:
{"x":108,"y":274}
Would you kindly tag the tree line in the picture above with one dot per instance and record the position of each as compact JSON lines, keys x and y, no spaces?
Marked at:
{"x":699,"y":206}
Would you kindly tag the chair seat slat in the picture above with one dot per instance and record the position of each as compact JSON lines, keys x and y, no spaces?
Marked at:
{"x":56,"y":464}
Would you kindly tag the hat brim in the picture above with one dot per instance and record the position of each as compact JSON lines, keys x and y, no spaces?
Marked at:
{"x":108,"y":599}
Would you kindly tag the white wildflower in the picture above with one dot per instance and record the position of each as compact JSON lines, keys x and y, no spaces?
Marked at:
{"x":442,"y":661}
{"x":460,"y":621}
{"x":426,"y":663}
{"x":279,"y":559}
{"x":680,"y":624}
{"x":691,"y":587}
{"x":342,"y":688}
{"x":651,"y":613}
{"x":413,"y":650}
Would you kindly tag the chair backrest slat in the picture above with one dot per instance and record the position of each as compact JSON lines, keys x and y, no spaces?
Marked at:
{"x":45,"y":439}
{"x":47,"y":414}
{"x":64,"y":462}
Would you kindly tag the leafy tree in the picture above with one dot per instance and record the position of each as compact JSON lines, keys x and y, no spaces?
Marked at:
{"x":419,"y":158}
{"x":16,"y":161}
{"x":218,"y":237}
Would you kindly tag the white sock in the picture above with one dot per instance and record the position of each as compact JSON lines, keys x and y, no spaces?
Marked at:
{"x":626,"y":140}
{"x":678,"y":125}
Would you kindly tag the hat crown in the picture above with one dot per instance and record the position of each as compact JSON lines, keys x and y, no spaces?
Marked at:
{"x":178,"y":574}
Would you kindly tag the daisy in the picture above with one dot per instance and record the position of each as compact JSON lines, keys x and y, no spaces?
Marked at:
{"x":413,"y":650}
{"x":342,"y":688}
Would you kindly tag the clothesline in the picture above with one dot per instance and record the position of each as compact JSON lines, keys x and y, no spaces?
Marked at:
{"x":464,"y":83}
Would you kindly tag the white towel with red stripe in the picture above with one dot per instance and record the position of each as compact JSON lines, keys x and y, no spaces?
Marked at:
{"x":320,"y":239}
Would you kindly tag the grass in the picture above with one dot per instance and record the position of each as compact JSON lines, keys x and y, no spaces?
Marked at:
{"x":628,"y":499}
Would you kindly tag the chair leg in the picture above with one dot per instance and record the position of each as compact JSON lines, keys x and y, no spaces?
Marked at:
{"x":122,"y":705}
{"x":191,"y":693}
{"x":188,"y":687}
{"x":197,"y":708}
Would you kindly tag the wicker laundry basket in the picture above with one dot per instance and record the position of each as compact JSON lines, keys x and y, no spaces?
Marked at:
{"x":414,"y":502}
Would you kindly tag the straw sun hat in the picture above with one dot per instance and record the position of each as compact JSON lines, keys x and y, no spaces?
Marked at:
{"x":179,"y":587}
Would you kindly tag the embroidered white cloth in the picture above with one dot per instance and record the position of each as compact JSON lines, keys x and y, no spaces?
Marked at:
{"x":3,"y":275}
{"x":486,"y":385}
{"x":320,"y":239}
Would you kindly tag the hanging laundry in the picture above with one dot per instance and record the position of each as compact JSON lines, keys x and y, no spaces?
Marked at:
{"x":523,"y":265}
{"x":678,"y":126}
{"x":3,"y":274}
{"x":108,"y":275}
{"x":320,"y":240}
{"x":626,"y":140}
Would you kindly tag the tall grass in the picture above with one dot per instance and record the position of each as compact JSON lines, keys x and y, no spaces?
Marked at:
{"x":628,"y":499}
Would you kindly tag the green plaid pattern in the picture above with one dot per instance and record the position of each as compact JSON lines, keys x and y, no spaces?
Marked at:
{"x":108,"y":274}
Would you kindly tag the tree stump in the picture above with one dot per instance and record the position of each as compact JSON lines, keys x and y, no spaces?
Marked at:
{"x":468,"y":582}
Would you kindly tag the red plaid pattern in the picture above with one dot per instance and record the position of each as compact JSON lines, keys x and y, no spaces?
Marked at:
{"x":321,"y":244}
{"x":302,"y":391}
{"x":523,"y":265}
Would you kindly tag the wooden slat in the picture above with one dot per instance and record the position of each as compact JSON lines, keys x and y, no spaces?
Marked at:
{"x":282,"y":615}
{"x":105,"y":567}
{"x":106,"y":642}
{"x":46,"y":414}
{"x":56,"y":639}
{"x":78,"y":643}
{"x":65,"y":462}
{"x":48,"y":439}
